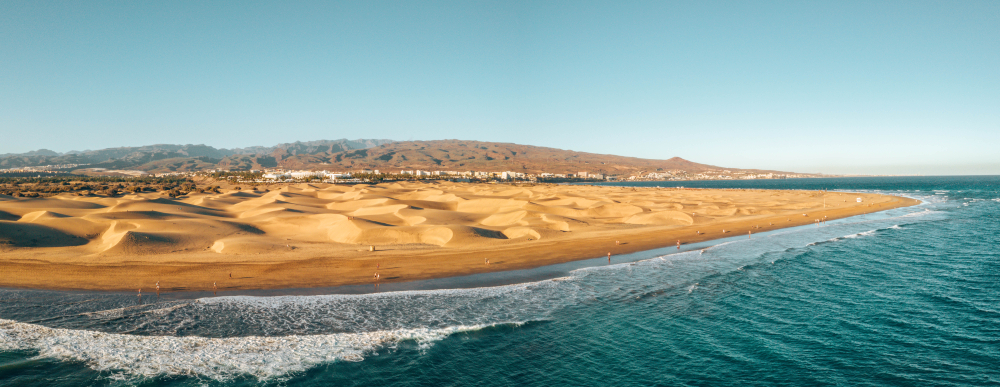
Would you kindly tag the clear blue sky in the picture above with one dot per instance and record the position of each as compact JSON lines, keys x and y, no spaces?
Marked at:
{"x":836,"y":86}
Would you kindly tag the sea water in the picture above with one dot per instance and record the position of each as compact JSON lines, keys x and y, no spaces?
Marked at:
{"x":909,"y":296}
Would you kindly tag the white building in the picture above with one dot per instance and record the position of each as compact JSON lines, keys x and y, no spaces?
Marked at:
{"x":335,"y":176}
{"x":306,"y":174}
{"x":276,"y":176}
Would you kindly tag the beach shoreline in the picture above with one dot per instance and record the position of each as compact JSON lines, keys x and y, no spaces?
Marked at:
{"x":311,"y":268}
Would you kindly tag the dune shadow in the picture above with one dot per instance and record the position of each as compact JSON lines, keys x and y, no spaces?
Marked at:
{"x":36,"y":235}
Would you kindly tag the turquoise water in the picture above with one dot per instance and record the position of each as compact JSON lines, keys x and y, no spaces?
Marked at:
{"x":905,"y":297}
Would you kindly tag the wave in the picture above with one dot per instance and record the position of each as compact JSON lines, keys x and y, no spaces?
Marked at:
{"x":856,"y":235}
{"x":216,"y":358}
{"x":860,"y":234}
{"x":925,"y":212}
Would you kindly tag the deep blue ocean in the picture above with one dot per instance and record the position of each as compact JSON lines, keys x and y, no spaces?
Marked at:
{"x":906,"y":297}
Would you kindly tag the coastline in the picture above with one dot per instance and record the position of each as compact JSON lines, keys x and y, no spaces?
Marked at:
{"x":400,"y":265}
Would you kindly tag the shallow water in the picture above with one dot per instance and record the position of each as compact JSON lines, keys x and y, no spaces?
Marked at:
{"x":904,"y":297}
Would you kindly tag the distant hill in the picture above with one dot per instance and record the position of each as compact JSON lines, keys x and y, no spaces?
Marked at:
{"x":458,"y":155}
{"x":347,"y":155}
{"x":162,"y":157}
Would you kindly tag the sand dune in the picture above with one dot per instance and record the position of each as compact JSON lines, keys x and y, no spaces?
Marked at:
{"x":434,"y":229}
{"x":661,"y":218}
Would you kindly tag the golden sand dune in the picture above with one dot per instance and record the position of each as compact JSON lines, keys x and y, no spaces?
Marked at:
{"x":320,"y":232}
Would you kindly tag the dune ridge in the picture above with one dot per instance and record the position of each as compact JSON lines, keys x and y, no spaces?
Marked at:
{"x":321,"y":234}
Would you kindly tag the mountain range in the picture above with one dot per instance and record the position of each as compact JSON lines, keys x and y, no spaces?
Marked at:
{"x":347,"y":155}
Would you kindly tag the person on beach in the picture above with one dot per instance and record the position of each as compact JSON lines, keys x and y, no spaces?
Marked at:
{"x":678,"y":244}
{"x":157,"y":288}
{"x":609,"y":257}
{"x":748,"y":234}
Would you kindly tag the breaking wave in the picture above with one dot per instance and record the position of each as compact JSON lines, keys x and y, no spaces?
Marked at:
{"x":857,"y":235}
{"x":216,"y":358}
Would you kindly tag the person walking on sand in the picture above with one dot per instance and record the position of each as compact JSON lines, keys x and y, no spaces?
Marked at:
{"x":157,"y":288}
{"x":678,"y":244}
{"x":748,"y":234}
{"x":609,"y":257}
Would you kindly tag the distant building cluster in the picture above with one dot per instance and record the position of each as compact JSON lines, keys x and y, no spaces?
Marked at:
{"x":41,"y":168}
{"x":369,"y":175}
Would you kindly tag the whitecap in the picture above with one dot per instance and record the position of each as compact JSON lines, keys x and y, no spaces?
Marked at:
{"x":216,"y":358}
{"x":925,"y":212}
{"x":861,"y":234}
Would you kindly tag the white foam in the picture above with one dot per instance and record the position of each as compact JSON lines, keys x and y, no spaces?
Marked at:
{"x":861,"y":234}
{"x":217,"y":358}
{"x":921,"y":213}
{"x":283,"y":301}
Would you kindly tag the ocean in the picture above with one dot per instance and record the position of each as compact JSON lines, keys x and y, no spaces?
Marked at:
{"x":906,"y":297}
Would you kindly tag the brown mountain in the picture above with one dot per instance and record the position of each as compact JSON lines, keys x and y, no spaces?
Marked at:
{"x":350,"y":155}
{"x":458,"y":155}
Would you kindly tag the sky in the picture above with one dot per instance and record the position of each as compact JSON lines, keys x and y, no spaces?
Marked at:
{"x":840,"y":87}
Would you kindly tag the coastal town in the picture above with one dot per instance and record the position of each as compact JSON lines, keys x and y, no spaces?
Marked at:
{"x":375,"y":175}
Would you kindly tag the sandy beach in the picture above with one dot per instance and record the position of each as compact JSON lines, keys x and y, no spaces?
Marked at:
{"x":313,"y":235}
